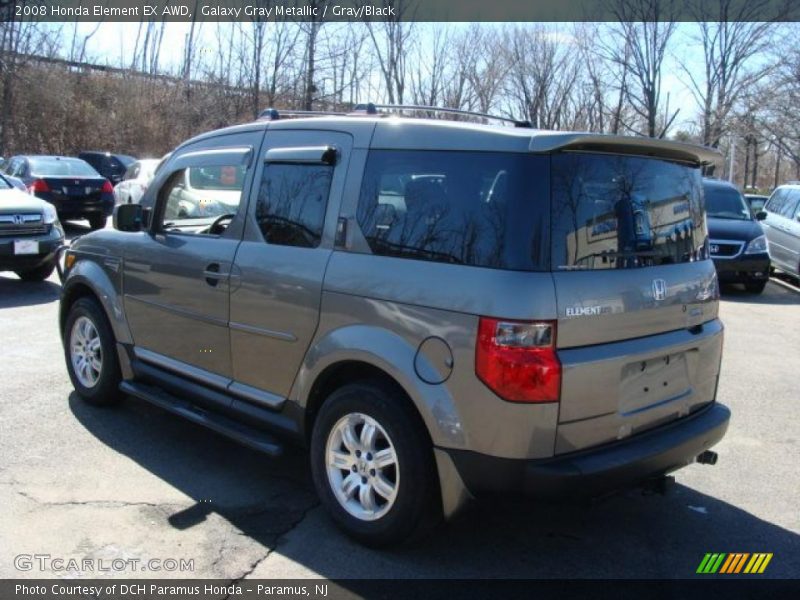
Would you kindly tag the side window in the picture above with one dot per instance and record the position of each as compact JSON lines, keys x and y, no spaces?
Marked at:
{"x":792,"y":208}
{"x":472,"y":208}
{"x":194,"y":197}
{"x":291,"y":204}
{"x":776,"y":202}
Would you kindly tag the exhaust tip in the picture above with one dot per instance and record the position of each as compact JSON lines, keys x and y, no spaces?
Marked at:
{"x":707,"y":458}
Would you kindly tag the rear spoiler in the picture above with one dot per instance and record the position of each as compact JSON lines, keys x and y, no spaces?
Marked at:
{"x":616,"y":144}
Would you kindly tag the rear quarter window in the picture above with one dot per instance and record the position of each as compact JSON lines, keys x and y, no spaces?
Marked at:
{"x":485,"y":209}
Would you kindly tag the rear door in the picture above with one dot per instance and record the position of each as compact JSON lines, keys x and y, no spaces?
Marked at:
{"x":636,"y":293}
{"x":288,"y":241}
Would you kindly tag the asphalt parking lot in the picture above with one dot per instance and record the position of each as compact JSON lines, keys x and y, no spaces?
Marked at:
{"x":136,"y":483}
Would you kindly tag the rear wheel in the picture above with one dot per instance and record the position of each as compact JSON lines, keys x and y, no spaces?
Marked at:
{"x":97,"y":222}
{"x":755,"y":287}
{"x":372,"y":465}
{"x":40,"y":273}
{"x":91,"y":353}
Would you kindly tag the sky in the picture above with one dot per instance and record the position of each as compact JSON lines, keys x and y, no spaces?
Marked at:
{"x":114,"y":40}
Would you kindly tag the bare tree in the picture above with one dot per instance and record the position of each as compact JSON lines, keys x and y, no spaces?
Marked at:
{"x":543,"y":74}
{"x":391,"y":39}
{"x":731,"y":37}
{"x":644,"y":29}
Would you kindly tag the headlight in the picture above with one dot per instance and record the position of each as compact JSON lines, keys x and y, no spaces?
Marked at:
{"x":757,"y":245}
{"x":49,"y":214}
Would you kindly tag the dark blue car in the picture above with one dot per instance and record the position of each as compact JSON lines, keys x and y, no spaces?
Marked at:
{"x":70,"y":184}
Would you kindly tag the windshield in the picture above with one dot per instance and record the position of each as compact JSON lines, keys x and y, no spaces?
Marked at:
{"x":4,"y":185}
{"x":620,"y":212}
{"x":61,"y":167}
{"x":726,"y":203}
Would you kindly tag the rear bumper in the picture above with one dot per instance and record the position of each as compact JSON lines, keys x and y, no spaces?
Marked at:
{"x":78,"y":208}
{"x":743,"y":269}
{"x":600,"y":470}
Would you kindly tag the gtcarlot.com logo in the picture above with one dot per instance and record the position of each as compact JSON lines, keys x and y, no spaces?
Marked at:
{"x":47,"y":562}
{"x":734,"y":563}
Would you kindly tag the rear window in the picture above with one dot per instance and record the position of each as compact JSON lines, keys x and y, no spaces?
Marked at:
{"x":485,"y":209}
{"x":61,"y":167}
{"x":620,"y":212}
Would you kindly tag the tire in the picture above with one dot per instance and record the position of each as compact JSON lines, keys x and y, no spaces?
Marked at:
{"x":40,"y":273}
{"x":755,"y":287}
{"x":98,"y":382}
{"x":415,"y":507}
{"x":97,"y":222}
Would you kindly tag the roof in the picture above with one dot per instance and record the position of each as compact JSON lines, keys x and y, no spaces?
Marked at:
{"x":395,"y":132}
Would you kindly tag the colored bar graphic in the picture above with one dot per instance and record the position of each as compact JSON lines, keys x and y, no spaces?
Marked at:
{"x":734,"y":563}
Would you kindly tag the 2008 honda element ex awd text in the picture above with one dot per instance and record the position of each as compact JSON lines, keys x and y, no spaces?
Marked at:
{"x":437,"y":309}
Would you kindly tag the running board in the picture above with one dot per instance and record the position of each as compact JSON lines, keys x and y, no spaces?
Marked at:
{"x":248,"y":436}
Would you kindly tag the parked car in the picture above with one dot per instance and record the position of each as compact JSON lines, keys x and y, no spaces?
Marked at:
{"x":736,"y":239}
{"x":135,"y":181}
{"x":110,"y":166}
{"x":782,"y":226}
{"x":438,"y":310}
{"x":70,"y":184}
{"x":756,"y":202}
{"x":30,"y":234}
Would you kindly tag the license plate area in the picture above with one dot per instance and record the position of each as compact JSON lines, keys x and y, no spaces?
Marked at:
{"x":76,"y":190}
{"x":26,"y":247}
{"x":649,"y":383}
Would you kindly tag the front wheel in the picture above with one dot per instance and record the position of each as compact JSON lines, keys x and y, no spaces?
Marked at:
{"x":755,"y":287}
{"x":91,"y":353}
{"x":372,"y":465}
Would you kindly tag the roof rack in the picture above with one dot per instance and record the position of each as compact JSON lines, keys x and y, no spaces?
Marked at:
{"x":370,"y":109}
{"x":272,"y":114}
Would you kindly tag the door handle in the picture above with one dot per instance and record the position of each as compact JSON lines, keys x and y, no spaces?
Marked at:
{"x":212,"y":274}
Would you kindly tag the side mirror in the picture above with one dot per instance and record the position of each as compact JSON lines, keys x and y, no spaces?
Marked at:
{"x":761,"y":215}
{"x":128,"y":217}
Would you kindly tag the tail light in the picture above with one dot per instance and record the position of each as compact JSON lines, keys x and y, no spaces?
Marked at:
{"x":107,"y":187}
{"x":517,"y":360}
{"x":38,"y":185}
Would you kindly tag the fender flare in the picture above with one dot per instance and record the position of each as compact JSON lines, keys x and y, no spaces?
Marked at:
{"x":394,"y":356}
{"x":89,"y":274}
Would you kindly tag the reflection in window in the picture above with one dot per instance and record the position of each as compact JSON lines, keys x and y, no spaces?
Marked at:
{"x":203,"y":192}
{"x":291,"y":203}
{"x":622,"y":212}
{"x":473,"y":208}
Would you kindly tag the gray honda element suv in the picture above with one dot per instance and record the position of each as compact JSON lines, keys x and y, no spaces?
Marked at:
{"x":436,"y":309}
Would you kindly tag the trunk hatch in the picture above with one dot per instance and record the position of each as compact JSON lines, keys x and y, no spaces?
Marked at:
{"x":636,"y":293}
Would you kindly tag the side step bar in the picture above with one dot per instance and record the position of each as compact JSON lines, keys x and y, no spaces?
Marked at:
{"x":248,"y":436}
